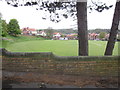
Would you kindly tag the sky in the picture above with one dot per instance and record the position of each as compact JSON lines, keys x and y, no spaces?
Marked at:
{"x":30,"y":17}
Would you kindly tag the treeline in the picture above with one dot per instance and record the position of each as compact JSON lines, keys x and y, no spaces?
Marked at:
{"x":100,"y":30}
{"x":12,"y":28}
{"x":65,"y":31}
{"x":97,"y":31}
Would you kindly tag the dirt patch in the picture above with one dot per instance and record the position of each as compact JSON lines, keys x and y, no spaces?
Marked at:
{"x":80,"y":81}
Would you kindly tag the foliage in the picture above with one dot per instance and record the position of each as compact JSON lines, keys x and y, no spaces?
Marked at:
{"x":65,"y":31}
{"x":102,"y":35}
{"x":49,"y":32}
{"x":0,"y":28}
{"x":11,"y":39}
{"x":62,"y":35}
{"x":68,"y":7}
{"x":13,"y":27}
{"x":99,"y":30}
{"x":99,"y":6}
{"x":0,"y":24}
{"x":4,"y":28}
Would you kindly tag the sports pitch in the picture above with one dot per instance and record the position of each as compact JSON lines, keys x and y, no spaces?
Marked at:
{"x":60,"y":47}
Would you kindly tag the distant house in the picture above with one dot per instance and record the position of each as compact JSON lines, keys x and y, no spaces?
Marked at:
{"x":41,"y":33}
{"x":25,"y":31}
{"x":33,"y":31}
{"x":29,"y":31}
{"x":118,"y":36}
{"x":93,"y":36}
{"x":56,"y":35}
{"x":72,"y":36}
{"x":107,"y":37}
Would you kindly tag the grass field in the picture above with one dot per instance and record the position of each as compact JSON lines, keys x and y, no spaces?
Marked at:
{"x":60,"y":47}
{"x":12,"y":40}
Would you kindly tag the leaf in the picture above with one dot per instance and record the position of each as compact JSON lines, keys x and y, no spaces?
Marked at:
{"x":27,"y":4}
{"x":90,"y":8}
{"x":41,"y":8}
{"x":106,"y":7}
{"x":8,"y":3}
{"x":34,"y":3}
{"x":43,"y":18}
{"x":110,"y":6}
{"x":72,"y":14}
{"x":57,"y":16}
{"x":15,"y":5}
{"x":65,"y":15}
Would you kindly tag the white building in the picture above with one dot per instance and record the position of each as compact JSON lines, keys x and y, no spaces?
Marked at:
{"x":41,"y":33}
{"x":57,"y":35}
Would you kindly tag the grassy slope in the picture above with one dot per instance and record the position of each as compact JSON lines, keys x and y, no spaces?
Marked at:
{"x":60,"y":47}
{"x":12,"y":40}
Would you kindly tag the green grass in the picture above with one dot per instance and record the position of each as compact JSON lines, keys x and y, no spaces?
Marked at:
{"x":60,"y":47}
{"x":12,"y":40}
{"x":24,"y":38}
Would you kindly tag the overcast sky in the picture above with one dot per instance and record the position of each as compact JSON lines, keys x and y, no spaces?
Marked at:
{"x":30,"y":17}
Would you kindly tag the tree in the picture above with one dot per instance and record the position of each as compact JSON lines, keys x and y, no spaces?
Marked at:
{"x":114,"y":29}
{"x":4,"y":28}
{"x":102,"y":35}
{"x":82,"y":28}
{"x":0,"y":24}
{"x":13,"y":27}
{"x":49,"y":32}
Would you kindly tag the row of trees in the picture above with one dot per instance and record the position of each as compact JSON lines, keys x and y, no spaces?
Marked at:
{"x":12,"y":28}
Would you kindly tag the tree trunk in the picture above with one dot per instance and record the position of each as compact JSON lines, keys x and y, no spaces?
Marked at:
{"x":114,"y":29}
{"x":82,"y":28}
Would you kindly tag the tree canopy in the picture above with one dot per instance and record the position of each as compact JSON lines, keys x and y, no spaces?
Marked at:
{"x":53,"y":6}
{"x":4,"y":28}
{"x":13,"y":27}
{"x":0,"y":24}
{"x":49,"y":32}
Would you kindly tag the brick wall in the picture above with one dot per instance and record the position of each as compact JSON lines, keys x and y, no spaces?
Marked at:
{"x":47,"y":63}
